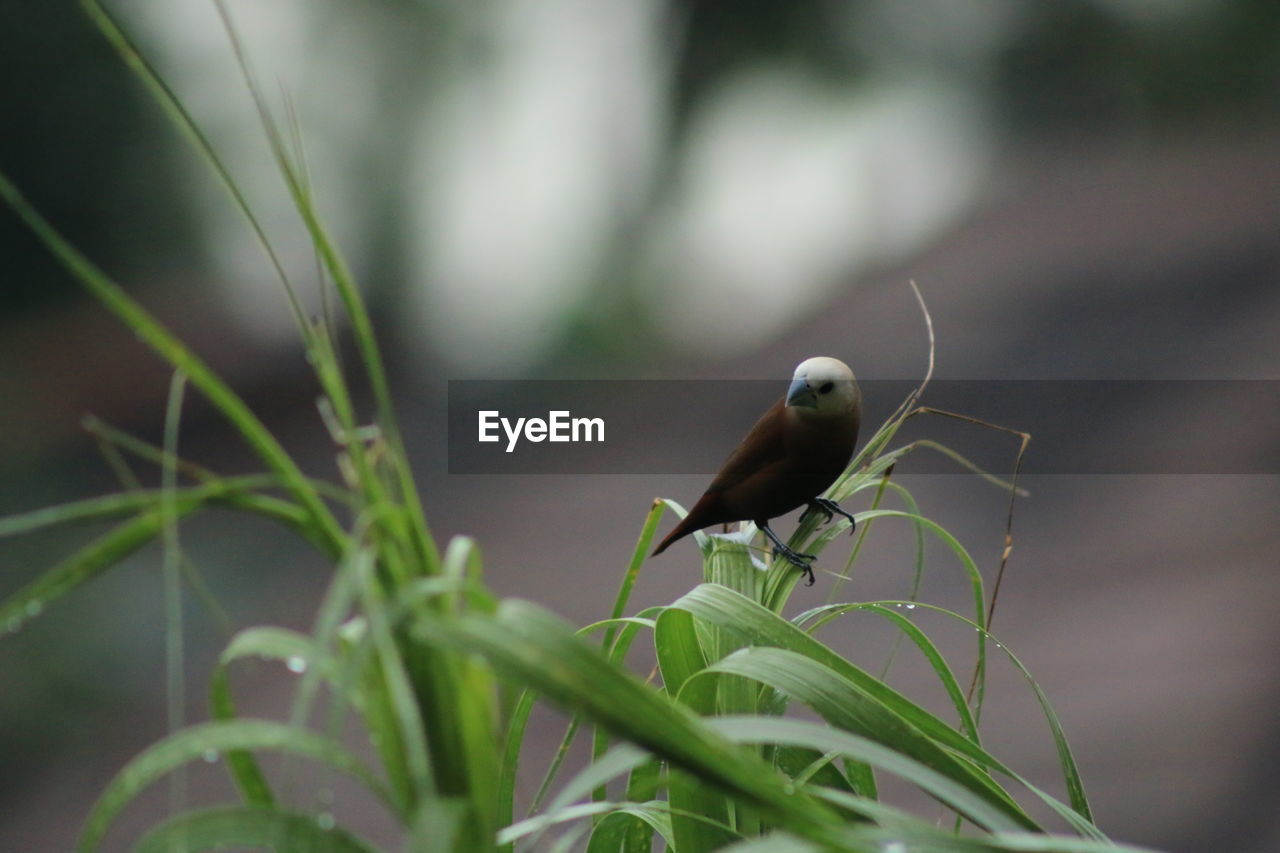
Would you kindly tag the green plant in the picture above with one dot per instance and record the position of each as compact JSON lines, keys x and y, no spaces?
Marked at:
{"x":410,"y":642}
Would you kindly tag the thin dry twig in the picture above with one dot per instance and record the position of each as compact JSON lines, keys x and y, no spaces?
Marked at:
{"x":1025,"y":439}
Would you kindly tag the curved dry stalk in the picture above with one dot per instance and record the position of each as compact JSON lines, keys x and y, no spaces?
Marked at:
{"x":1014,"y":491}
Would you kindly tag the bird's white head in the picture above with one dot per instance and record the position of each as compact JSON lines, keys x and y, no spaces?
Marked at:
{"x":824,"y":385}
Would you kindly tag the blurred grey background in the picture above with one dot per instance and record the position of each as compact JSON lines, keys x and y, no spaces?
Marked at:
{"x":1087,"y":189}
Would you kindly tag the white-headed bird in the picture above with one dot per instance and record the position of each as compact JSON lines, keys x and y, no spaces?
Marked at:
{"x":794,"y":452}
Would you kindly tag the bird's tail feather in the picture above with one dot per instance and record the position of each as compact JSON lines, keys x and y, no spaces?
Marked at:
{"x":681,"y":529}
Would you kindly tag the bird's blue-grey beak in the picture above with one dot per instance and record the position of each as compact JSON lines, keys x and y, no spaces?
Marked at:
{"x":800,"y":394}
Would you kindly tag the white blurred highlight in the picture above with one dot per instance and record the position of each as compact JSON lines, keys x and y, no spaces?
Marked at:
{"x":540,"y":133}
{"x":532,"y":163}
{"x":789,"y":189}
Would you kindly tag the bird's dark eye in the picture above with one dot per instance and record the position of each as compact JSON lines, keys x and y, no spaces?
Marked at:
{"x":826,"y":388}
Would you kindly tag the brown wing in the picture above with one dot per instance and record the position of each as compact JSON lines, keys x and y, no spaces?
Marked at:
{"x":762,"y":447}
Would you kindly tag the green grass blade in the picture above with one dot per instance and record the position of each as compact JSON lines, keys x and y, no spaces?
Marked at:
{"x":700,"y":814}
{"x":773,"y":730}
{"x":614,"y":831}
{"x":532,"y":647}
{"x":238,"y":826}
{"x":111,"y":507}
{"x":642,"y":785}
{"x":348,"y":293}
{"x":151,"y":332}
{"x":808,"y":767}
{"x":618,"y":761}
{"x":1024,"y":843}
{"x":535,"y":826}
{"x":768,"y":629}
{"x":171,"y":571}
{"x":866,"y":808}
{"x":557,"y":761}
{"x":966,"y":463}
{"x":441,"y":825}
{"x":615,"y":821}
{"x":917,"y":575}
{"x":638,"y":556}
{"x":780,"y":842}
{"x":236,"y":493}
{"x":1079,"y":815}
{"x":395,"y":716}
{"x":214,"y":739}
{"x":87,"y":563}
{"x":297,"y":652}
{"x":680,"y":654}
{"x":845,"y":706}
{"x":512,"y":747}
{"x":864,"y":531}
{"x":565,"y":806}
{"x":600,"y":741}
{"x":181,"y":119}
{"x":147,"y":524}
{"x":889,"y":610}
{"x":680,"y":658}
{"x":763,"y":627}
{"x":617,"y":653}
{"x":621,"y":759}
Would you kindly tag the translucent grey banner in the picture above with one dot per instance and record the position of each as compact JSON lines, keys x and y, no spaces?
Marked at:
{"x":690,"y":426}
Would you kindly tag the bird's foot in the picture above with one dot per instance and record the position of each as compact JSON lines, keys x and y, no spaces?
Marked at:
{"x":803,"y":562}
{"x":831,"y":509}
{"x":791,"y":555}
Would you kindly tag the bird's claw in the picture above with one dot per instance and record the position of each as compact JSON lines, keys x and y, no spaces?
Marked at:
{"x":816,"y":507}
{"x":791,"y":555}
{"x":831,"y":509}
{"x":800,"y":561}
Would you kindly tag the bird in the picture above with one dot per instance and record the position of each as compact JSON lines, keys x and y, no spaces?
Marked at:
{"x":793,"y":453}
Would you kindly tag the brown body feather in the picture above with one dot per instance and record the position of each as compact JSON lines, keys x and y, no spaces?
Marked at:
{"x":786,"y":460}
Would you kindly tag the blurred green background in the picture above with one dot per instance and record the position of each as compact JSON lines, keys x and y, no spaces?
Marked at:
{"x":565,"y":188}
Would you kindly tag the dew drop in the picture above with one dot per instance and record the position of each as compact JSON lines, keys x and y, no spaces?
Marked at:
{"x":210,"y":755}
{"x":33,"y":609}
{"x":325,"y":820}
{"x":296,"y":664}
{"x":911,"y":607}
